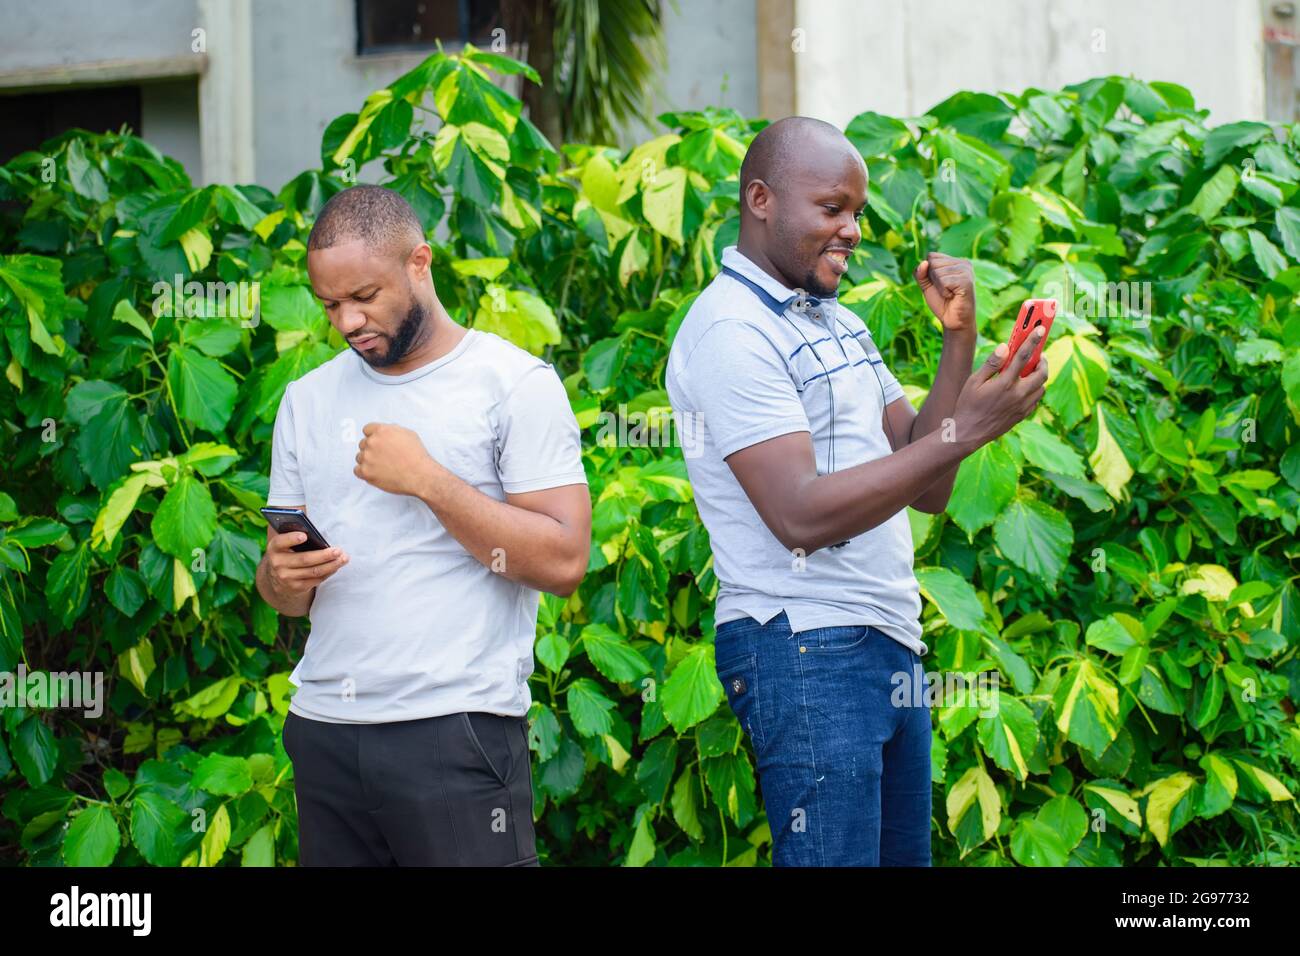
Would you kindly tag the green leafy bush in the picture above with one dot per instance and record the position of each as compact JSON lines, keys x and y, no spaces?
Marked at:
{"x":1124,"y":562}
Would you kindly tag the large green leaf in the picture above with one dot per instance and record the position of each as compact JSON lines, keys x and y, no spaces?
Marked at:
{"x":1077,"y":374}
{"x":692,"y":691}
{"x":952,"y":595}
{"x":111,"y":439}
{"x":663,"y":201}
{"x":1170,"y":805}
{"x":589,"y":708}
{"x":974,"y":809}
{"x":518,"y":316}
{"x":1087,"y":706}
{"x":157,"y":827}
{"x":204,"y":391}
{"x":1036,"y":537}
{"x":1009,"y":736}
{"x":985,"y":483}
{"x":67,"y":587}
{"x":223,"y":775}
{"x":1046,"y":450}
{"x":35,"y":750}
{"x":293,"y":308}
{"x":612,"y":655}
{"x":186,"y":519}
{"x":93,"y":838}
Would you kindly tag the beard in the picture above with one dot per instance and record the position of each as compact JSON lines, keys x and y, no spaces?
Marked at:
{"x":405,"y":339}
{"x":815,"y":288}
{"x":810,"y":284}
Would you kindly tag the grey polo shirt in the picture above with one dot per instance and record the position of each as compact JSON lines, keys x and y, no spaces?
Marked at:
{"x":739,"y":374}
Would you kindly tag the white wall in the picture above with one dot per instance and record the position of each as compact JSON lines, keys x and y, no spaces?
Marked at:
{"x":712,"y":50}
{"x":901,"y":57}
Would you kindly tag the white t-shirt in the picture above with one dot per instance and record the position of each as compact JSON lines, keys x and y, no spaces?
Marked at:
{"x":414,"y":625}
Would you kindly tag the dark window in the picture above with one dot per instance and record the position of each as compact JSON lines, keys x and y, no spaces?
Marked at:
{"x":32,"y":118}
{"x":385,"y":26}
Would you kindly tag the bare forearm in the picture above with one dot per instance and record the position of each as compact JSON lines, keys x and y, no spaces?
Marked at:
{"x":290,"y":605}
{"x":828,"y":509}
{"x":534,"y":549}
{"x":954,"y":369}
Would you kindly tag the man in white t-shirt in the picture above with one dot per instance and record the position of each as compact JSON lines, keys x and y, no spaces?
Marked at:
{"x":443,"y":467}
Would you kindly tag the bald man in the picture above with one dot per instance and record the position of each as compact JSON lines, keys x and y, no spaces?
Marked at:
{"x":443,"y":466}
{"x":808,"y":455}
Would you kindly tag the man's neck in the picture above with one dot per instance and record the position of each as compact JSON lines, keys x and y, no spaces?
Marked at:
{"x":755,"y":254}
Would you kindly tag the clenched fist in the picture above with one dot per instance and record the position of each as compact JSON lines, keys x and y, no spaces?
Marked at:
{"x":393,"y":459}
{"x":948,"y":285}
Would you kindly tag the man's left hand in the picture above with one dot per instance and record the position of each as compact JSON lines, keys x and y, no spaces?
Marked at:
{"x":948,"y":285}
{"x":393,"y":459}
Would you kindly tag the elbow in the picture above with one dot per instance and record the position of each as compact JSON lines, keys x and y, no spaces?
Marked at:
{"x":795,"y":536}
{"x":932,"y":504}
{"x":569,"y":574}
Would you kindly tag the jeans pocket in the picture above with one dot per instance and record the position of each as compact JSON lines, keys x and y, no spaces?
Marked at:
{"x":739,"y":677}
{"x":486,"y":734}
{"x":831,"y":639}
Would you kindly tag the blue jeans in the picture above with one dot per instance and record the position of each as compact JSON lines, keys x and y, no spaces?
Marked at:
{"x":844,"y":770}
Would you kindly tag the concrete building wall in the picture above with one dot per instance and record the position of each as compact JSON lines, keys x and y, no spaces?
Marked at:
{"x":306,"y":71}
{"x":712,"y":61}
{"x":169,"y":119}
{"x":902,"y":58}
{"x":60,"y":32}
{"x":294,"y":66}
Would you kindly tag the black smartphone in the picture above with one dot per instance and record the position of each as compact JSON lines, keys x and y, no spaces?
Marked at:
{"x":284,"y":520}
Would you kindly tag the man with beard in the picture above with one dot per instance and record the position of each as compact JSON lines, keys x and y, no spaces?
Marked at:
{"x":809,"y":454}
{"x":443,"y":465}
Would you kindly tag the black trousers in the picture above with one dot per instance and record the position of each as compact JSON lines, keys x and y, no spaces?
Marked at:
{"x":454,"y":790}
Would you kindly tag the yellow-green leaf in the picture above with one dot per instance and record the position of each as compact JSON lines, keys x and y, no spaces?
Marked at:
{"x":1213,"y":580}
{"x":216,"y":839}
{"x":1163,"y":797}
{"x":1108,"y":462}
{"x":137,"y":664}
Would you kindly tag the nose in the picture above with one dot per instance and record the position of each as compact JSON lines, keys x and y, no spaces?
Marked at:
{"x":850,"y":233}
{"x":350,"y":318}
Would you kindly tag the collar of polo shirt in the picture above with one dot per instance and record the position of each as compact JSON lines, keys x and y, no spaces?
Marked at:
{"x":798,"y":300}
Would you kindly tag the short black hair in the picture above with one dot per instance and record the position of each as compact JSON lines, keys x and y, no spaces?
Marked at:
{"x":770,"y":152}
{"x":376,"y":215}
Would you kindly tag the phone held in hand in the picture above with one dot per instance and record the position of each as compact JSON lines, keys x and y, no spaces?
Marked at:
{"x":287,"y":520}
{"x":1033,"y":313}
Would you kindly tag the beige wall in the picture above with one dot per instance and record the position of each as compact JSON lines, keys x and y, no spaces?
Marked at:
{"x":902,"y":56}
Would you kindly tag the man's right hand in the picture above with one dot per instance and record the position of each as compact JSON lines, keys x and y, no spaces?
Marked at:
{"x":295,"y":573}
{"x":991,"y":403}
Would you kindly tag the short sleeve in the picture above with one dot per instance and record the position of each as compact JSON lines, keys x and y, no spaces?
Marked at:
{"x":286,"y":485}
{"x":893,"y":390}
{"x":737,"y":381}
{"x":539,"y":444}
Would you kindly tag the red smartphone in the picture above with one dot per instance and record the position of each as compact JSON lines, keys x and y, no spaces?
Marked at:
{"x":1033,"y":313}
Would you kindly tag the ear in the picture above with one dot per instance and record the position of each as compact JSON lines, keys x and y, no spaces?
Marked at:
{"x":419,"y":260}
{"x":759,"y":199}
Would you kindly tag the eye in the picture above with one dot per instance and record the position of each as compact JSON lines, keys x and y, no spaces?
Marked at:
{"x":831,"y":208}
{"x":368,"y":298}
